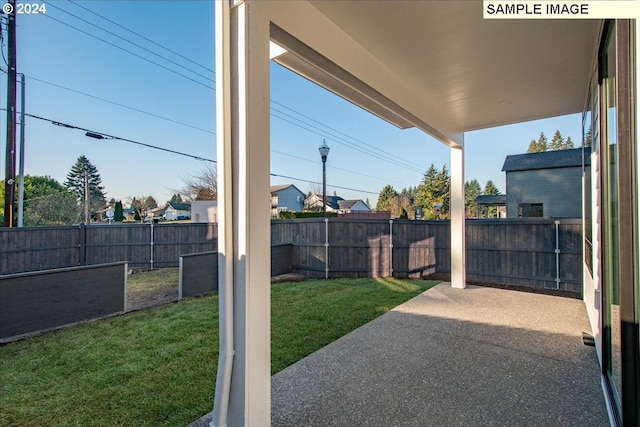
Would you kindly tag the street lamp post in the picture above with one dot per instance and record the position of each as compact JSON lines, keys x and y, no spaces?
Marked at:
{"x":324,"y":151}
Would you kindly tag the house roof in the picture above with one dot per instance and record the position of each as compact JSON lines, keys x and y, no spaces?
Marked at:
{"x":492,"y":200}
{"x":180,"y":206}
{"x":334,"y":201}
{"x":547,"y":160}
{"x":276,"y":188}
{"x":348,"y":204}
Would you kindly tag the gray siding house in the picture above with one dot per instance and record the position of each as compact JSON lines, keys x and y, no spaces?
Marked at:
{"x":348,"y":206}
{"x":547,"y":184}
{"x":286,"y":198}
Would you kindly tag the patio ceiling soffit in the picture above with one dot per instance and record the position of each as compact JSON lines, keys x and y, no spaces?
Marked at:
{"x":298,"y":57}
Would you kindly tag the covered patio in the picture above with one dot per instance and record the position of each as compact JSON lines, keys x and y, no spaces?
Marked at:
{"x":441,"y":68}
{"x":449,"y":357}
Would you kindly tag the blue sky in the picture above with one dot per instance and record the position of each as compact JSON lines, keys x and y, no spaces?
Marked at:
{"x":51,"y":51}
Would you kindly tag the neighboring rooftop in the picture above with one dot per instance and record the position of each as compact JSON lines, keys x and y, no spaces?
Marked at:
{"x":276,"y":188}
{"x":180,"y":206}
{"x":334,"y":202}
{"x":348,"y":204}
{"x":547,"y":160}
{"x":492,"y":200}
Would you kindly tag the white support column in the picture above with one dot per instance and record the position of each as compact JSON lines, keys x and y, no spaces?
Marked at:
{"x":243,"y":393}
{"x":456,"y":204}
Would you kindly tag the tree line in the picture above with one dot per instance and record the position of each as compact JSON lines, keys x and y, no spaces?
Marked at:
{"x":431,"y":196}
{"x":82,"y":197}
{"x":557,"y":143}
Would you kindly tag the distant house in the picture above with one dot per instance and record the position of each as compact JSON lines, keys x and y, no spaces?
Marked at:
{"x":128,"y":214}
{"x":177,"y":211}
{"x":545,"y":185}
{"x":204,"y":211}
{"x":349,"y":206}
{"x":286,"y":198}
{"x":336,"y":204}
{"x":314,"y":203}
{"x":154,"y":213}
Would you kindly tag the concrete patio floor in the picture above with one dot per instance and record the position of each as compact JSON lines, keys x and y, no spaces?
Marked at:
{"x":450,"y":357}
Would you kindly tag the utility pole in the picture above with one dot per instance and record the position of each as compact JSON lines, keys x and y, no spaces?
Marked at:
{"x":21,"y":167}
{"x":86,"y":195}
{"x":10,"y":165}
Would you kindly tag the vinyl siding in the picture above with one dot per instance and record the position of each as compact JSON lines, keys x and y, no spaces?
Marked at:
{"x":558,"y":189}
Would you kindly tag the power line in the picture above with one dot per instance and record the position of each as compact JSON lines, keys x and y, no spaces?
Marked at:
{"x":373,"y":147}
{"x":129,"y":52}
{"x":398,"y":161}
{"x":384,"y":156}
{"x":122,"y":105}
{"x":389,"y":159}
{"x":361,"y":150}
{"x":185,"y":124}
{"x":334,"y":167}
{"x":328,"y":185}
{"x":141,"y":36}
{"x":178,"y":122}
{"x":130,"y":42}
{"x":101,"y":135}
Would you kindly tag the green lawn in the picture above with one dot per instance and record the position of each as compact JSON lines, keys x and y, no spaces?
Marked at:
{"x":157,"y":367}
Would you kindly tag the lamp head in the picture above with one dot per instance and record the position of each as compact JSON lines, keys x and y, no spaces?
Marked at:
{"x":324,"y":151}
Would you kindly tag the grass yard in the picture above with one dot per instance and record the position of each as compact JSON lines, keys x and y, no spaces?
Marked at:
{"x":150,"y":288}
{"x":157,"y":367}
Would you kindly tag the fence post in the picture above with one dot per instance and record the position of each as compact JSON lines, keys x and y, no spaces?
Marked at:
{"x":326,"y":248}
{"x":557,"y":254}
{"x":391,"y":247}
{"x":82,"y":246}
{"x":151,"y":246}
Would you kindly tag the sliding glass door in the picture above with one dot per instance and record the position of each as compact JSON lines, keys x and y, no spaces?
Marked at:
{"x":610,"y":229}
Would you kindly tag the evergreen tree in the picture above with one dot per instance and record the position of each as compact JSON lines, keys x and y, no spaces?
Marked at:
{"x":587,"y":138}
{"x":387,"y":193}
{"x":136,"y":205}
{"x":118,"y":214}
{"x":568,"y":144}
{"x":176,"y":198}
{"x":434,"y":187}
{"x":557,"y":142}
{"x":472,"y":190}
{"x":542,"y":142}
{"x":84,"y":174}
{"x":410,"y":194}
{"x":490,"y":189}
{"x":538,"y":146}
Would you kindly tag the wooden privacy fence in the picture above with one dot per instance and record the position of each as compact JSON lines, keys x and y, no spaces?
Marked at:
{"x":536,"y":253}
{"x":542,"y":254}
{"x":141,"y":245}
